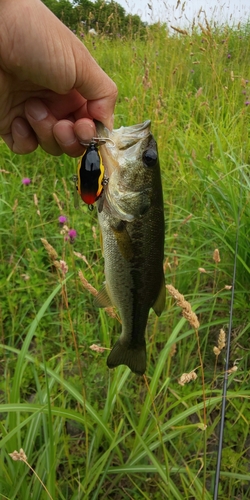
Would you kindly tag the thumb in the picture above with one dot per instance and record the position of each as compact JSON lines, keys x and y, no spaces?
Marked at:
{"x":96,"y":87}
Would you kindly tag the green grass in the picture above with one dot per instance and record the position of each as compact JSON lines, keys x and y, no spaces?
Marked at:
{"x":91,"y":433}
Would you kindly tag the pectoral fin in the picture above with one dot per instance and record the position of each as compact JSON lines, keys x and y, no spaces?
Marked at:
{"x":102,"y":299}
{"x":161,"y":299}
{"x":123,"y":240}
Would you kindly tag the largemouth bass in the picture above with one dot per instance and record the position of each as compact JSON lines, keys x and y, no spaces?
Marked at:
{"x":131,"y":218}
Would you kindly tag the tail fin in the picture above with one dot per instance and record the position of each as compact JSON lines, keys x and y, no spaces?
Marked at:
{"x":125,"y":354}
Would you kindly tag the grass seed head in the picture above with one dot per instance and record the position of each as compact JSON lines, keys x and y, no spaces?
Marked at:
{"x":57,"y":202}
{"x":18,"y":455}
{"x":187,"y":377}
{"x":202,"y":270}
{"x":179,"y":30}
{"x":221,"y":342}
{"x":87,"y":285}
{"x":173,"y":350}
{"x":216,"y":256}
{"x":35,"y":200}
{"x":216,"y":351}
{"x":98,"y":348}
{"x":51,"y":251}
{"x":187,"y":312}
{"x":222,"y":339}
{"x":62,"y":266}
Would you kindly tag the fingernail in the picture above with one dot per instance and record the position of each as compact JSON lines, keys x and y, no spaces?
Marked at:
{"x":110,"y":123}
{"x":22,"y":129}
{"x":37,"y":110}
{"x":66,"y":137}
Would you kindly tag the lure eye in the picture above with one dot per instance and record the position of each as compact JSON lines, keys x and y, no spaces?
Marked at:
{"x":150,"y":157}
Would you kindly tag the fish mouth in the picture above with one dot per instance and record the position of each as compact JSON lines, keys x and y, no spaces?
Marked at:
{"x":126,"y":137}
{"x":124,"y":140}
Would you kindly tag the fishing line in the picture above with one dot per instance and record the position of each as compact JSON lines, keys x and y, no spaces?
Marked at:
{"x":225,"y":380}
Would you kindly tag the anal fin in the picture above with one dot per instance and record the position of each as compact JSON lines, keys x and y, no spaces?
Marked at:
{"x":102,"y":299}
{"x":160,"y":302}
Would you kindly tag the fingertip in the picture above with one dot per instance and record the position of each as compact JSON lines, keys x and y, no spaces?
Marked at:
{"x":84,"y":130}
{"x":65,"y":136}
{"x":103,"y":110}
{"x":109,"y":123}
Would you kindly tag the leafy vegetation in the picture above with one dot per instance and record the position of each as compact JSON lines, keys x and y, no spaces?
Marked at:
{"x":91,"y":433}
{"x":109,"y":18}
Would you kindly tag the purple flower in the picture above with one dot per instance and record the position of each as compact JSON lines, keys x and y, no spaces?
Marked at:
{"x":247,"y":103}
{"x":62,"y":219}
{"x":72,"y":234}
{"x":229,"y":56}
{"x":26,"y":181}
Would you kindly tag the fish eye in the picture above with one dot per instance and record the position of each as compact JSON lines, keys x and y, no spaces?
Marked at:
{"x":149,"y":157}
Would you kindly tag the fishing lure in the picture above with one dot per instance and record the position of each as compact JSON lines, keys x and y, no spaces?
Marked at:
{"x":90,"y":177}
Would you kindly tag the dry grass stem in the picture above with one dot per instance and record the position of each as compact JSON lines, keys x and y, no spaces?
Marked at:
{"x":15,"y":205}
{"x":166,"y":265}
{"x":187,"y":312}
{"x":187,"y":377}
{"x":176,"y":261}
{"x":21,"y":456}
{"x":94,"y":232}
{"x":68,"y":194}
{"x":186,"y":219}
{"x":57,"y":201}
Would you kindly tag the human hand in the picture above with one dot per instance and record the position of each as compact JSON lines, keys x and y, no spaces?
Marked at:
{"x":51,"y":89}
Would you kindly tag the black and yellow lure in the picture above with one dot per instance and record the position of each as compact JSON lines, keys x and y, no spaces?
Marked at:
{"x":90,"y":179}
